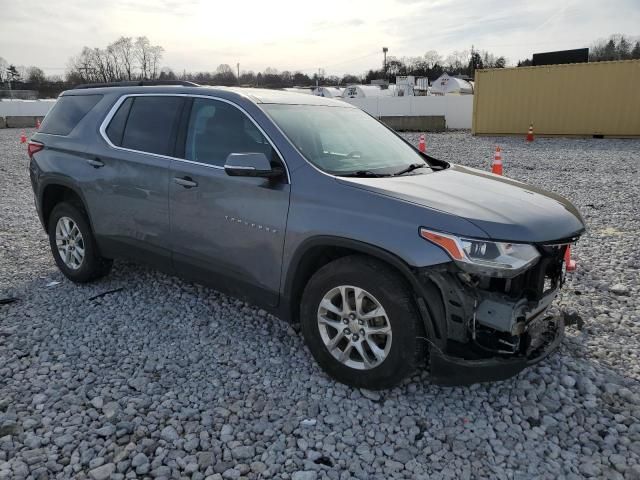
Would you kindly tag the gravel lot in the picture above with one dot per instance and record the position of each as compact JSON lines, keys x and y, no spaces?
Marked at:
{"x":168,"y":379}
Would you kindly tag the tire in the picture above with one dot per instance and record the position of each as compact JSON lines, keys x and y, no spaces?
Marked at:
{"x":364,"y":277}
{"x":91,"y":266}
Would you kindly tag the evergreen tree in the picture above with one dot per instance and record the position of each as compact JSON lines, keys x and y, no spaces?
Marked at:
{"x":624,"y":49}
{"x":609,"y":52}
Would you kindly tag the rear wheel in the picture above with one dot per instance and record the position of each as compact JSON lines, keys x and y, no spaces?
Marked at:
{"x":360,"y":323}
{"x":73,"y":245}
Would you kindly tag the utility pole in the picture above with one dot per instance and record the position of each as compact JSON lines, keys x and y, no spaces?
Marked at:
{"x":9,"y":72}
{"x":238,"y":67}
{"x":384,"y":62}
{"x":473,"y":62}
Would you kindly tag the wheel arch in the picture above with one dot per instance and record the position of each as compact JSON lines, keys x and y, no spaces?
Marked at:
{"x":315,"y":252}
{"x":56,"y":191}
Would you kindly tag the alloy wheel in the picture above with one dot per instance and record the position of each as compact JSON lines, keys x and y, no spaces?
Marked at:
{"x":354,"y":327}
{"x":70,"y":243}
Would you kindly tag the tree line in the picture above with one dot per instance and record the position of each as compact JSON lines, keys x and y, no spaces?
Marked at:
{"x":617,"y":47}
{"x":130,"y":58}
{"x":125,"y":59}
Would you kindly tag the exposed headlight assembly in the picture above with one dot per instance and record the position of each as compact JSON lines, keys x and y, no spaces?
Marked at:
{"x":483,"y":257}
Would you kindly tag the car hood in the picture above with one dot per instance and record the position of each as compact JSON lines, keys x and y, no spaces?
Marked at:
{"x":504,"y":208}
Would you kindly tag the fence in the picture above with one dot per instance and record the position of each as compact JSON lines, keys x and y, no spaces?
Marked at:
{"x":25,"y":108}
{"x":601,"y":98}
{"x":19,"y":94}
{"x":457,"y":109}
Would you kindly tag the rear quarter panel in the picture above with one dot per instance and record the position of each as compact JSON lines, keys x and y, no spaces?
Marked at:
{"x":63,"y":160}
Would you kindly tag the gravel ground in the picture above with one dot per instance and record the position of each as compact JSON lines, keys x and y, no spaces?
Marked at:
{"x":169,"y":379}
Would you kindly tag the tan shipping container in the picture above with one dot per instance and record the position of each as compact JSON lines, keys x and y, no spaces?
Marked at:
{"x":585,"y":99}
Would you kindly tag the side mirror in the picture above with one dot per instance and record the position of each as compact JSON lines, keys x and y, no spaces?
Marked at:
{"x":250,"y":165}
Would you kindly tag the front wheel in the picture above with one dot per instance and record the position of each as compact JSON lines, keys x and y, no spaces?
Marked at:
{"x":360,"y":323}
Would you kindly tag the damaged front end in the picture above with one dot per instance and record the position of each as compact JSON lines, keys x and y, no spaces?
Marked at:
{"x":488,"y":324}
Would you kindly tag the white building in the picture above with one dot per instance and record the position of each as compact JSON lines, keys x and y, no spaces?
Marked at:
{"x":404,"y":86}
{"x":298,"y":90}
{"x":445,"y":84}
{"x":329,"y":92}
{"x":364,"y":91}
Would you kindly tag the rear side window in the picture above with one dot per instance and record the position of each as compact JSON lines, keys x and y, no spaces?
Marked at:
{"x":67,"y":113}
{"x":150,"y":125}
{"x":115,"y":130}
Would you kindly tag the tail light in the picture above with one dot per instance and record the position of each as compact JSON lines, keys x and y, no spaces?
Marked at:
{"x":34,"y":147}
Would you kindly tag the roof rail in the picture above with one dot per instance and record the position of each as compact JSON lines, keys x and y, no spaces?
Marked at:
{"x":137,"y":83}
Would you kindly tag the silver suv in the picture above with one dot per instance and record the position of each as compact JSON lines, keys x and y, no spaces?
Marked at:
{"x":315,"y":211}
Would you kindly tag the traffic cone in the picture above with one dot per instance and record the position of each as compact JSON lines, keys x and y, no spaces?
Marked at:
{"x":496,"y":166}
{"x":37,"y":124}
{"x":23,"y":137}
{"x":570,"y":264}
{"x":422,"y":144}
{"x":530,"y":133}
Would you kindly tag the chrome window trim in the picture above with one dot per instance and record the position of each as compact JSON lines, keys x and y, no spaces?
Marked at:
{"x":121,"y":99}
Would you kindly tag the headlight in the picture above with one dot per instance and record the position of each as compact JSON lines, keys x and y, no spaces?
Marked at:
{"x":495,"y":259}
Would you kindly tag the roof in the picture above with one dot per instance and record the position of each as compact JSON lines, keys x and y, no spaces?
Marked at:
{"x":263,"y":95}
{"x":256,"y":95}
{"x":370,"y":90}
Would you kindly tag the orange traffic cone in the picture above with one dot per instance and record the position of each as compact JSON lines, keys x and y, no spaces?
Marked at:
{"x":570,"y":264}
{"x":37,"y":124}
{"x":496,"y":166}
{"x":422,"y":144}
{"x":530,"y":133}
{"x":23,"y":137}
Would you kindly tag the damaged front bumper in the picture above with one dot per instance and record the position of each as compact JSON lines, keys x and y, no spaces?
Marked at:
{"x":484,"y":328}
{"x":452,"y":370}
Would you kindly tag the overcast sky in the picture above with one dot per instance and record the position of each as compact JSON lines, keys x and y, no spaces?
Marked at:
{"x":340,"y":36}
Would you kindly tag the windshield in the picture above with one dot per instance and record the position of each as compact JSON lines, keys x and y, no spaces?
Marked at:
{"x":345,"y":141}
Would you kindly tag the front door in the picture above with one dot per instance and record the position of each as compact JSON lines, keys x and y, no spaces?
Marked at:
{"x":226,"y":231}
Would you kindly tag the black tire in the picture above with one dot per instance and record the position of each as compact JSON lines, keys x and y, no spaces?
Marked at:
{"x":93,"y":265}
{"x":394,"y":295}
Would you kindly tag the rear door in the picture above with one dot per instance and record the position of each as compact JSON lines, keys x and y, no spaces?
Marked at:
{"x":130,"y":200}
{"x":227,"y":231}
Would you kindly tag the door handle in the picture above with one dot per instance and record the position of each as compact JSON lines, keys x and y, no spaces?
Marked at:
{"x":95,"y":163}
{"x":186,"y":182}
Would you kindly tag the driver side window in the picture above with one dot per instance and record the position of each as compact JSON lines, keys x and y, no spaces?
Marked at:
{"x":217,"y":129}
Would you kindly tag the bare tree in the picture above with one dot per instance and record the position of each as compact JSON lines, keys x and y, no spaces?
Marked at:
{"x":101,"y":62}
{"x":3,"y":69}
{"x":148,"y":57}
{"x":142,"y":54}
{"x":124,"y":51}
{"x":155,"y":56}
{"x":120,"y":60}
{"x":82,"y":68}
{"x":224,"y":75}
{"x":431,"y":58}
{"x":35,"y":75}
{"x":457,"y":60}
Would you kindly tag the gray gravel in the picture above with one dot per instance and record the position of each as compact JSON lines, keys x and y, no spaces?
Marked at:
{"x":167,"y":379}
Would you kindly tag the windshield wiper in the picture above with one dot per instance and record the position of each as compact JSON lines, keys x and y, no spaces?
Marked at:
{"x":364,"y":173}
{"x":411,"y":168}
